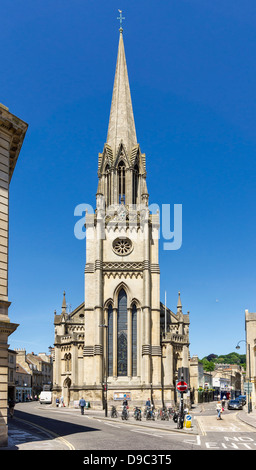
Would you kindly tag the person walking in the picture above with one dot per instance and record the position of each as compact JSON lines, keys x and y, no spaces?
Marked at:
{"x":219,"y":410}
{"x":82,"y":405}
{"x":11,"y":407}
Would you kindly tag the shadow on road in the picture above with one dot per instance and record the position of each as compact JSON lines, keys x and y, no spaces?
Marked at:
{"x":40,"y":427}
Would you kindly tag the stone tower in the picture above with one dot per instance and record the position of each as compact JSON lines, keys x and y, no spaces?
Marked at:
{"x":122,"y":303}
{"x":122,"y":339}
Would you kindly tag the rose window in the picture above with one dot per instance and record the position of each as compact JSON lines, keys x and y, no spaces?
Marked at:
{"x":122,"y":246}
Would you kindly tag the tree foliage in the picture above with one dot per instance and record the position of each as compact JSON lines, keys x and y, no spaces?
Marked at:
{"x":231,"y":358}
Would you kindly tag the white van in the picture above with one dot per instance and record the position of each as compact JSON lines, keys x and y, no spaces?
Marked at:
{"x":45,"y":397}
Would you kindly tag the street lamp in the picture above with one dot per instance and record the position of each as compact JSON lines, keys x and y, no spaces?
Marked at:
{"x":105,"y":384}
{"x":249,"y":375}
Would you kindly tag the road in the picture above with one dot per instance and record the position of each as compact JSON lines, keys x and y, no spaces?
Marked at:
{"x":68,"y":429}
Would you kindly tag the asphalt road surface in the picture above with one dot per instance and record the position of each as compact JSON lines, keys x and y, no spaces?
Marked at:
{"x":59,"y":429}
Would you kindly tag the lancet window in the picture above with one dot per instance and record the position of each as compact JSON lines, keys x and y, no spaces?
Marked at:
{"x":110,"y":340}
{"x":67,"y":359}
{"x":122,"y":334}
{"x":135,"y":184}
{"x":108,"y":185}
{"x":121,"y":181}
{"x":122,"y":324}
{"x":134,"y":340}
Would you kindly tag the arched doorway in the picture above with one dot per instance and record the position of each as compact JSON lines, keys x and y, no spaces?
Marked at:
{"x":66,"y":391}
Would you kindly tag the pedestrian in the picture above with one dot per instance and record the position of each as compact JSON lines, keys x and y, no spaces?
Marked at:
{"x":219,"y":410}
{"x":82,"y":405}
{"x":223,"y":403}
{"x":148,"y":403}
{"x":125,"y":403}
{"x":57,"y":401}
{"x":62,"y":401}
{"x":11,"y":407}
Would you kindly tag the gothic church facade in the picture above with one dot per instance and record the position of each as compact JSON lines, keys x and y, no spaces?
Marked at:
{"x":121,"y":337}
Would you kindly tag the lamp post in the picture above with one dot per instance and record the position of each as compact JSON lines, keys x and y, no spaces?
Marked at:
{"x":105,"y":384}
{"x":249,"y":375}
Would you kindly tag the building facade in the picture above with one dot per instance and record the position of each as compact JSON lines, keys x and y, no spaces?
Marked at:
{"x":39,"y":367}
{"x":122,"y":339}
{"x":12,"y":133}
{"x":23,"y":384}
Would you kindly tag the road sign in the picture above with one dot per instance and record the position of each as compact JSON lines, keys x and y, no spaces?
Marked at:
{"x":188,"y":421}
{"x":248,"y":387}
{"x":182,"y":386}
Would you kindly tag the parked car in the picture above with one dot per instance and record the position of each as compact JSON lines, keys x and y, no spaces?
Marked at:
{"x":242,"y":398}
{"x":45,"y":397}
{"x":235,"y":405}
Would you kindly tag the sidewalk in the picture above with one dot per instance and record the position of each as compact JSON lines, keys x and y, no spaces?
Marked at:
{"x":248,"y":418}
{"x":157,"y":424}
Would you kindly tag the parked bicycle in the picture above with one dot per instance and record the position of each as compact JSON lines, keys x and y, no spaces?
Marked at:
{"x":180,"y":420}
{"x":114,"y":413}
{"x":150,"y":414}
{"x":164,"y":414}
{"x":137,"y":413}
{"x":125,"y":413}
{"x":171,"y":412}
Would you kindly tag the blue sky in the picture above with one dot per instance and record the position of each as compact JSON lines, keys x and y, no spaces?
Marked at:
{"x":192,"y":71}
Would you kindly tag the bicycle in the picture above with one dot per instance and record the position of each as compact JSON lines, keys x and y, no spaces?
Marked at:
{"x":137,"y":413}
{"x":125,"y":413}
{"x":150,"y":414}
{"x":180,"y":420}
{"x":114,"y":413}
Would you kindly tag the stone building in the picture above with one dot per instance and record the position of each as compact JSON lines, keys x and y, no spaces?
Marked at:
{"x":23,"y":384}
{"x":40,"y":368}
{"x":11,"y":374}
{"x":121,"y":339}
{"x":12,"y":133}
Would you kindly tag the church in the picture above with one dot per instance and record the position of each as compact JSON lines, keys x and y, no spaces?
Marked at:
{"x":121,"y":341}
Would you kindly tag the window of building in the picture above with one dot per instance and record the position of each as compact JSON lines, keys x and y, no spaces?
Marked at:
{"x":122,"y":334}
{"x":110,"y":340}
{"x":134,"y":340}
{"x":135,"y":184}
{"x":121,"y":181}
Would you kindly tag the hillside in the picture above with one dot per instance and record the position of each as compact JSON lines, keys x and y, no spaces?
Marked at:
{"x":231,"y":358}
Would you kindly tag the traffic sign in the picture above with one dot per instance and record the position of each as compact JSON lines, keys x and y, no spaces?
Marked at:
{"x":182,"y":386}
{"x":248,"y":387}
{"x":188,"y":421}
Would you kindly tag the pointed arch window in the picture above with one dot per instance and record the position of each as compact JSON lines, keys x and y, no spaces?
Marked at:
{"x":67,"y":359}
{"x":135,"y":184}
{"x":121,"y":181}
{"x":108,"y":185}
{"x":134,"y":340}
{"x":122,"y":334}
{"x":110,"y":340}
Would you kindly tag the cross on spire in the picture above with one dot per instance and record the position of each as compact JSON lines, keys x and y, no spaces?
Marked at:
{"x":120,"y":18}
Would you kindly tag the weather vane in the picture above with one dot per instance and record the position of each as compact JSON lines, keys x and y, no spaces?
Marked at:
{"x":120,"y":18}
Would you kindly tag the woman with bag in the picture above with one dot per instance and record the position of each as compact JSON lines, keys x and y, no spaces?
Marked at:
{"x":219,"y":410}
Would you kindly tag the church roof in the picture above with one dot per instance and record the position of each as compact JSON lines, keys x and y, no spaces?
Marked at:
{"x":121,"y":122}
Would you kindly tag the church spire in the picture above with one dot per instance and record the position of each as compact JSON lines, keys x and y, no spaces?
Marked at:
{"x":121,"y":122}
